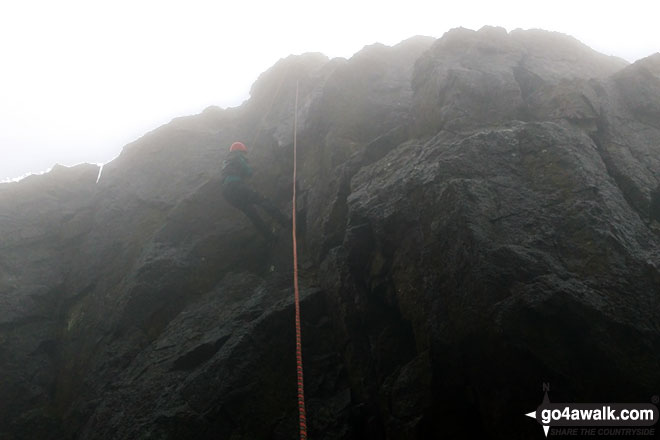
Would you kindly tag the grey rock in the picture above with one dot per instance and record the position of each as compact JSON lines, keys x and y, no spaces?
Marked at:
{"x":469,"y":79}
{"x":477,"y":214}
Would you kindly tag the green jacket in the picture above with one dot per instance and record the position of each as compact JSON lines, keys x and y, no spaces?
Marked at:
{"x":235,"y":168}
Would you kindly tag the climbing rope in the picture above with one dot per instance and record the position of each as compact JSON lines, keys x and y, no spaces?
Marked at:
{"x":302,"y":419}
{"x":299,"y":364}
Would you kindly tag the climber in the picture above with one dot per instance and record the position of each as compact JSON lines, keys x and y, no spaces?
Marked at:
{"x":235,"y":171}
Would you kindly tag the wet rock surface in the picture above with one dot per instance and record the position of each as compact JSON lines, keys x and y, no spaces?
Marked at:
{"x":478,"y":214}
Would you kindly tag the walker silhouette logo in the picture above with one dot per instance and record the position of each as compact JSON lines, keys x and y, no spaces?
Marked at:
{"x":596,"y":419}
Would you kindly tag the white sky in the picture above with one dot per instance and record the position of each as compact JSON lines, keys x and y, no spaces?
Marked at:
{"x":80,"y":79}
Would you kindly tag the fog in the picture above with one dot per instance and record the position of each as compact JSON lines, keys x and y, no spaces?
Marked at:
{"x":81,"y":79}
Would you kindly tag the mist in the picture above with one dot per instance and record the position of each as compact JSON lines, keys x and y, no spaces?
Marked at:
{"x":81,"y":80}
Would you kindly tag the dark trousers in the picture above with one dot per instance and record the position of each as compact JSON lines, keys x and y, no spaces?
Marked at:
{"x":242,"y":197}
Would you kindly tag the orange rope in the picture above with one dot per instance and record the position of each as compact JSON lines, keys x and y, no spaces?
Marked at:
{"x":301,"y":390}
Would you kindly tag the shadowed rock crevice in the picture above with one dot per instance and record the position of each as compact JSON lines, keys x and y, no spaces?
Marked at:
{"x":654,"y":211}
{"x":631,"y":192}
{"x":199,"y":355}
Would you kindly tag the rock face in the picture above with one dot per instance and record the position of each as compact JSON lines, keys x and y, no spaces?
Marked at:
{"x":478,"y":215}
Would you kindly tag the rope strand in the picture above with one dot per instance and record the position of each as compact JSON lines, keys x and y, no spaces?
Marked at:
{"x":302,"y":419}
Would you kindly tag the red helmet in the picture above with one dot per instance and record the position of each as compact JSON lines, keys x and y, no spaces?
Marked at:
{"x":237,"y":146}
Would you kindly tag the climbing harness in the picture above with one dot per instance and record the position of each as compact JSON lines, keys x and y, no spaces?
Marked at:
{"x":299,"y":364}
